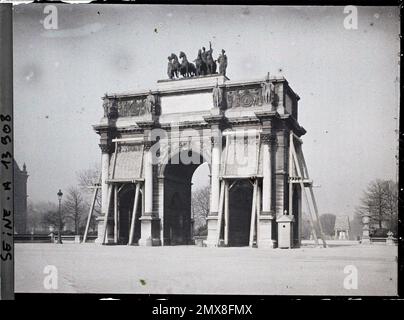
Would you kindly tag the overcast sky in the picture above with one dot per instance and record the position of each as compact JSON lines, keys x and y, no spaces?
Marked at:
{"x":347,"y":81}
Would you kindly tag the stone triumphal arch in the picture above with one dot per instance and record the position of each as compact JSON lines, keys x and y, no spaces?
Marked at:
{"x":152,"y":141}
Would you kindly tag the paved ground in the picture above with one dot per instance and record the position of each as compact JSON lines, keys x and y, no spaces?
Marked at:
{"x":189,"y":269}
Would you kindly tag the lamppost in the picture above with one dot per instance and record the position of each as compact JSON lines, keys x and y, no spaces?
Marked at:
{"x":60,"y":194}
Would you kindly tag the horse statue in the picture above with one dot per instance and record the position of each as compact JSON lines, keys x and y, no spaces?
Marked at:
{"x":187,"y":68}
{"x":175,"y":65}
{"x":200,"y":65}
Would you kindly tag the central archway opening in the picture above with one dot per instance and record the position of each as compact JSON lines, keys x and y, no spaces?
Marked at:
{"x":126,"y":203}
{"x":240,"y":204}
{"x":178,"y":224}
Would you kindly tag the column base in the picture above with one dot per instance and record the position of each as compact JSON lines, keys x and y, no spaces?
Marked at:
{"x":267,"y":244}
{"x":149,"y":231}
{"x":211,"y":244}
{"x":149,"y":242}
{"x":211,"y":240}
{"x":265,"y":226}
{"x":100,"y":230}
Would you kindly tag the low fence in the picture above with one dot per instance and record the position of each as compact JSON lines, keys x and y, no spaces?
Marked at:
{"x":47,"y":238}
{"x":382,"y":240}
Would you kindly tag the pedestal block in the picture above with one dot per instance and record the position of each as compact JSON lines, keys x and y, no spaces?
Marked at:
{"x":265,"y":225}
{"x":149,"y":231}
{"x":211,"y":241}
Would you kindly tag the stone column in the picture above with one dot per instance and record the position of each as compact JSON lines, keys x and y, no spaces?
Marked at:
{"x":161,"y":207}
{"x":105,"y":158}
{"x":146,"y":219}
{"x":281,"y":171}
{"x":212,"y":219}
{"x":265,"y":222}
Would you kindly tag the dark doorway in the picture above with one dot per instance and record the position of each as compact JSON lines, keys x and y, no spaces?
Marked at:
{"x":240,"y":203}
{"x":295,"y":211}
{"x":177,"y":203}
{"x":126,"y":201}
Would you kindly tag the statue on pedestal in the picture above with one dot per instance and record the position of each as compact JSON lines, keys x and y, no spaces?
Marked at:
{"x":150,"y":103}
{"x":222,"y":60}
{"x":204,"y":64}
{"x":210,"y":62}
{"x":170,"y":72}
{"x":217,"y":96}
{"x":106,"y":105}
{"x":268,"y":91}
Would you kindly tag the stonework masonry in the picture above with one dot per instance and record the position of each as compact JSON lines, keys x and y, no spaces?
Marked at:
{"x":185,"y":110}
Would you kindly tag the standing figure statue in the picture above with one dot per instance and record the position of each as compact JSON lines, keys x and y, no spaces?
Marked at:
{"x":210,"y":62}
{"x":150,"y":103}
{"x":200,"y":65}
{"x":204,"y":58}
{"x":268,"y":91}
{"x":106,"y":104}
{"x":217,"y":96}
{"x":222,"y":63}
{"x":170,"y":72}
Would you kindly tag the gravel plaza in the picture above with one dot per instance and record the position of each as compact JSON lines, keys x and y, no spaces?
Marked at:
{"x":90,"y":268}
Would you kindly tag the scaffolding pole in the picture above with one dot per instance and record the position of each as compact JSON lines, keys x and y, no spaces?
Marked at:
{"x":301,"y":179}
{"x":135,"y":206}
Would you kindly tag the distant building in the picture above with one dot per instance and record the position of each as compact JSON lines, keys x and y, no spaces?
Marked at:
{"x":20,"y":198}
{"x":342,"y":228}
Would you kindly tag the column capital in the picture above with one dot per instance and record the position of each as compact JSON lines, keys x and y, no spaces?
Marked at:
{"x":268,"y":138}
{"x":217,"y":140}
{"x":106,"y":147}
{"x":218,"y":122}
{"x":147,"y":145}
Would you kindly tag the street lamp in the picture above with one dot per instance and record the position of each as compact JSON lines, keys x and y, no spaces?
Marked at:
{"x":60,"y":194}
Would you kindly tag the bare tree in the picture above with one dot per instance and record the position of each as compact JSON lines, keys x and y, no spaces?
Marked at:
{"x":35,"y":217}
{"x":391,"y":203}
{"x":328,"y":223}
{"x":87,"y":181}
{"x":200,"y":205}
{"x":88,"y":177}
{"x":49,"y":215}
{"x":36,"y":212}
{"x":75,"y":208}
{"x":380,"y":202}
